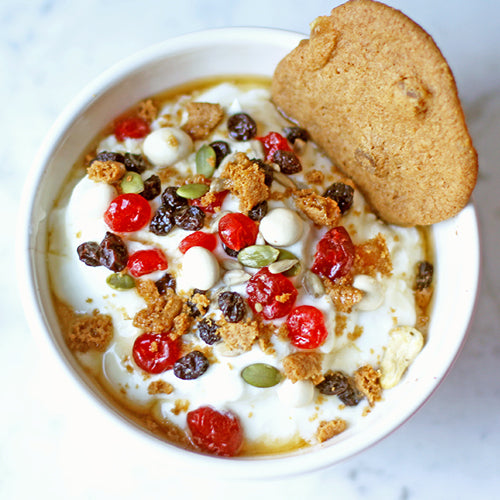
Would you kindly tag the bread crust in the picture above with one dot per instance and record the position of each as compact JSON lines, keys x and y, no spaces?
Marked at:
{"x":375,"y":92}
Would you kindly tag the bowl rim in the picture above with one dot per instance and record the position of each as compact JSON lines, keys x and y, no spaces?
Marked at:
{"x":238,"y":467}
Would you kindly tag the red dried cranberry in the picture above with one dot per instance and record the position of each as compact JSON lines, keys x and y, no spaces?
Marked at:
{"x":146,"y":261}
{"x":210,"y":208}
{"x":127,"y":213}
{"x":132,"y":126}
{"x":216,"y":432}
{"x":273,"y":142}
{"x":306,"y":327}
{"x":271,"y":295}
{"x":155,"y":352}
{"x":334,"y":254}
{"x":237,"y":231}
{"x":198,"y":239}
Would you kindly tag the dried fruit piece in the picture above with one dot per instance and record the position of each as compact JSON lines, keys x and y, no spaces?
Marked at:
{"x":241,"y":127}
{"x":334,"y":254}
{"x":273,"y":142}
{"x":237,"y":231}
{"x":207,"y":330}
{"x":233,"y":306}
{"x":191,"y":366}
{"x":162,"y":221}
{"x":306,"y":327}
{"x":294,"y":133}
{"x":288,"y":162}
{"x":133,"y":127}
{"x":155,"y":352}
{"x":164,"y":283}
{"x":341,"y":385}
{"x":221,"y":149}
{"x":89,"y":253}
{"x":271,"y":295}
{"x":171,"y":200}
{"x":127,"y":213}
{"x":341,"y":193}
{"x":147,"y":261}
{"x":261,"y":375}
{"x":404,"y":344}
{"x":198,"y":239}
{"x":152,"y":187}
{"x":258,"y":211}
{"x":216,"y":432}
{"x":113,"y":253}
{"x":190,"y":218}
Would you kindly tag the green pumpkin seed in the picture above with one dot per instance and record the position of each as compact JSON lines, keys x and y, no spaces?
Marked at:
{"x":192,"y":191}
{"x":121,"y":282}
{"x":205,"y":161}
{"x":258,"y":256}
{"x":261,"y":375}
{"x":132,"y":183}
{"x":294,"y":270}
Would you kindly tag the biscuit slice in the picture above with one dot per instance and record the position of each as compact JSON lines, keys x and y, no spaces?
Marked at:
{"x":377,"y":95}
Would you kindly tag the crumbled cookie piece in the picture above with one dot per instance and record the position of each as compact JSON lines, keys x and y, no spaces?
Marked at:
{"x":367,"y":380}
{"x":147,"y":290}
{"x":203,"y":117}
{"x":147,"y":110}
{"x":90,"y":331}
{"x":356,"y":333}
{"x":106,"y":171}
{"x":159,"y":314}
{"x":247,"y":181}
{"x":198,"y":304}
{"x":343,"y":294}
{"x":239,"y":336}
{"x":267,"y":330}
{"x":304,"y":366}
{"x":181,"y":325}
{"x":372,"y":257}
{"x":340,"y":324}
{"x":314,"y":176}
{"x":328,"y":429}
{"x":322,"y":211}
{"x":160,"y":387}
{"x":180,"y":405}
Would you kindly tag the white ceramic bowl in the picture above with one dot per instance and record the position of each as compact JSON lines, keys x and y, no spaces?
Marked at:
{"x":247,"y":51}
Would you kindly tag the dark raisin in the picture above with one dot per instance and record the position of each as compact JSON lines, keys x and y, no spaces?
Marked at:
{"x":164,"y":283}
{"x":233,"y":306}
{"x":162,"y":221}
{"x":191,"y":366}
{"x":195,"y":308}
{"x":89,"y":253}
{"x":109,"y":156}
{"x":340,"y":385}
{"x":171,"y":200}
{"x":287,"y":161}
{"x":241,"y":127}
{"x":221,"y":149}
{"x":190,"y":218}
{"x":267,"y":169}
{"x":152,"y":187}
{"x":207,"y":330}
{"x":425,"y":272}
{"x":258,"y":212}
{"x":294,"y":133}
{"x":135,"y":163}
{"x":342,"y":193}
{"x":113,"y":253}
{"x":230,"y":251}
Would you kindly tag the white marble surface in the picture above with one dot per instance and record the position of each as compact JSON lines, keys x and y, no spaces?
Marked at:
{"x":49,"y":49}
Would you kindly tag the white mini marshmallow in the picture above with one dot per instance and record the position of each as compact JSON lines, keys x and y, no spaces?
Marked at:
{"x":200,"y":269}
{"x":296,"y":394}
{"x":167,"y":146}
{"x":281,"y":227}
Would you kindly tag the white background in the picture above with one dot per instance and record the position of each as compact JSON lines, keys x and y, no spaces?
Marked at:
{"x":50,"y":49}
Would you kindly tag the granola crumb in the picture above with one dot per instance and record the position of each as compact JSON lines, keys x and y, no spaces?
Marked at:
{"x":372,"y":257}
{"x":267,"y":330}
{"x":147,"y":110}
{"x":159,"y":314}
{"x":315,"y":176}
{"x":180,"y":405}
{"x":160,"y":387}
{"x":106,"y":171}
{"x":239,"y":336}
{"x":322,"y":211}
{"x":283,"y":298}
{"x":356,"y":333}
{"x":340,"y":324}
{"x":343,"y":295}
{"x":200,"y":303}
{"x":203,"y":117}
{"x":328,"y":429}
{"x":304,"y":366}
{"x":90,"y":331}
{"x":367,"y":379}
{"x":181,"y":325}
{"x":147,"y":290}
{"x":247,"y":181}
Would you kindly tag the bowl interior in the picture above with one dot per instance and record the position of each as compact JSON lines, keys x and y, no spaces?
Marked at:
{"x":242,"y":51}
